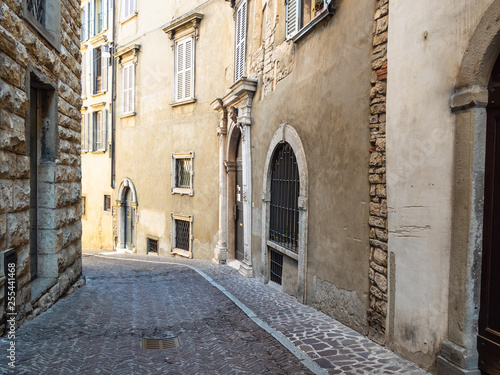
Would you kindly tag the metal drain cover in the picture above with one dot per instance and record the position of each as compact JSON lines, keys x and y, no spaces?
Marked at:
{"x":160,"y":344}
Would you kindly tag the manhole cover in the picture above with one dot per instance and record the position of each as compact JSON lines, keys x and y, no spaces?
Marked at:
{"x":160,"y":344}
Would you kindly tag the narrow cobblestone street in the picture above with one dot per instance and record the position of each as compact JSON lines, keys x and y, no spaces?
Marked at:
{"x":227,"y":325}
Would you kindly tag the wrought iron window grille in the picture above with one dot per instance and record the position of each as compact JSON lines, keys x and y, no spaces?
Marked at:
{"x":285,"y":190}
{"x":276,"y":264}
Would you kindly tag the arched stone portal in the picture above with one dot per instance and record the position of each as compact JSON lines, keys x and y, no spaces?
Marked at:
{"x":126,"y":202}
{"x":459,"y":353}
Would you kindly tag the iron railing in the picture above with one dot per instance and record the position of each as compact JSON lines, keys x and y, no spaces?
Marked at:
{"x":182,"y":234}
{"x":276,"y":263}
{"x":285,"y":190}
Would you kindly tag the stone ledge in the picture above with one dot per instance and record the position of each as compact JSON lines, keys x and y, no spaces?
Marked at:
{"x":470,"y":97}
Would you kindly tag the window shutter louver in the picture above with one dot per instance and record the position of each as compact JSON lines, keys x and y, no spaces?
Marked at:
{"x":241,"y":33}
{"x":122,"y":99}
{"x":85,"y":21}
{"x":92,"y":18}
{"x":104,"y":67}
{"x":105,"y":14}
{"x":89,"y":131}
{"x":84,"y":75}
{"x":84,"y":132}
{"x":188,"y":66}
{"x":92,"y":71}
{"x":180,"y":70}
{"x":292,"y":17}
{"x":105,"y":131}
{"x":132,"y":87}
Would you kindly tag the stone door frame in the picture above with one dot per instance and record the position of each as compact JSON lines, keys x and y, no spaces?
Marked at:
{"x":120,"y":204}
{"x":286,"y":133}
{"x":468,"y":103}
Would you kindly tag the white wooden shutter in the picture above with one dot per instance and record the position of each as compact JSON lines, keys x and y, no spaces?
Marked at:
{"x":84,"y":75}
{"x":104,"y":5}
{"x":293,"y":11}
{"x":84,"y":132}
{"x":92,"y":19}
{"x":92,"y":71}
{"x":132,"y":87}
{"x":89,"y":131}
{"x":105,"y":131}
{"x":180,"y":70}
{"x":104,"y":67}
{"x":188,"y":75}
{"x":85,"y":21}
{"x":241,"y":36}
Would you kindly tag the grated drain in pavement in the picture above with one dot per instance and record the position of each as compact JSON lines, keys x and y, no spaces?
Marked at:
{"x":160,"y":344}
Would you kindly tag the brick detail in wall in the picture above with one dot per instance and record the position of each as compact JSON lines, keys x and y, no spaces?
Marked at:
{"x":377,"y":313}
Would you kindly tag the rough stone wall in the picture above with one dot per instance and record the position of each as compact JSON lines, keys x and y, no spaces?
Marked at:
{"x":377,"y":313}
{"x":22,"y":51}
{"x":271,"y":62}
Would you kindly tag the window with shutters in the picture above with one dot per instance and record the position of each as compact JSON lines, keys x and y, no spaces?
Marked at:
{"x":184,"y":68}
{"x":241,"y":36}
{"x":182,"y":173}
{"x":84,"y":75}
{"x":182,"y":235}
{"x":99,"y":126}
{"x":95,"y":15}
{"x":99,"y":69}
{"x":303,"y":16}
{"x":85,"y":132}
{"x":128,"y":9}
{"x":184,"y":32}
{"x":128,"y":88}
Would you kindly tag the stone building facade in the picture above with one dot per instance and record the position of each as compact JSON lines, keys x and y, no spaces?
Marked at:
{"x":371,"y":123}
{"x":40,"y":228}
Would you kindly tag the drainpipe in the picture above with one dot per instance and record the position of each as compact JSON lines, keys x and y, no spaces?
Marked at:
{"x":113,"y":102}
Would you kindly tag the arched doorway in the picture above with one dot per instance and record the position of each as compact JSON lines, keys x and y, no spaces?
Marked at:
{"x":284,"y":213}
{"x":126,"y":202}
{"x":489,"y":312}
{"x":128,"y":222}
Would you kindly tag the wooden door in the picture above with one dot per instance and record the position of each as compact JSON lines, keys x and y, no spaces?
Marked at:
{"x":238,"y":207}
{"x":489,"y":313}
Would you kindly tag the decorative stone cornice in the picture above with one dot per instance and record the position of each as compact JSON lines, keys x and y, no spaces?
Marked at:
{"x":184,"y":25}
{"x":238,"y":101}
{"x":132,"y":48}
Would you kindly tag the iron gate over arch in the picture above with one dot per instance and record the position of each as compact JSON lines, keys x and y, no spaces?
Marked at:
{"x":285,"y":190}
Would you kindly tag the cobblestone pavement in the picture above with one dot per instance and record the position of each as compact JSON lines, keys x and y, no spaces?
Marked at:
{"x":217,"y":314}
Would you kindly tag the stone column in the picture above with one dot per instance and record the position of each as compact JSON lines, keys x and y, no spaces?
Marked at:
{"x":246,"y":266}
{"x":220,"y":251}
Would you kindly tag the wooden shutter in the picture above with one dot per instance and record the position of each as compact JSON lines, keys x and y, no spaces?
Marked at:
{"x":104,"y":67}
{"x":293,"y":11}
{"x":180,"y":70}
{"x":84,"y":75}
{"x":132,"y":87}
{"x":92,"y":19}
{"x":92,"y":71}
{"x":104,"y":6}
{"x":85,"y":22}
{"x":241,"y":36}
{"x":188,"y":74}
{"x":84,"y":132}
{"x":105,"y":131}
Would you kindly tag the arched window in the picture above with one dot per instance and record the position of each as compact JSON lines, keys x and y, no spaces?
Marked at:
{"x":285,"y":190}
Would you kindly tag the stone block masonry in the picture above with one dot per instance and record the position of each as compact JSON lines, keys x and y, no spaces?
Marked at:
{"x":377,"y":313}
{"x":29,"y":60}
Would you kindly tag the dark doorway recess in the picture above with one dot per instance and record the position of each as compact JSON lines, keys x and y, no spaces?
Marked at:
{"x":489,"y":313}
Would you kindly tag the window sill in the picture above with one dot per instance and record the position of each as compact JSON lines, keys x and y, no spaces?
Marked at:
{"x":182,"y":253}
{"x":52,"y":39}
{"x":321,"y":18}
{"x":98,"y":38}
{"x":183,"y":191}
{"x":128,"y":18}
{"x":99,"y":152}
{"x":100,"y":93}
{"x":283,"y":250}
{"x":183,"y":102}
{"x":125,"y":115}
